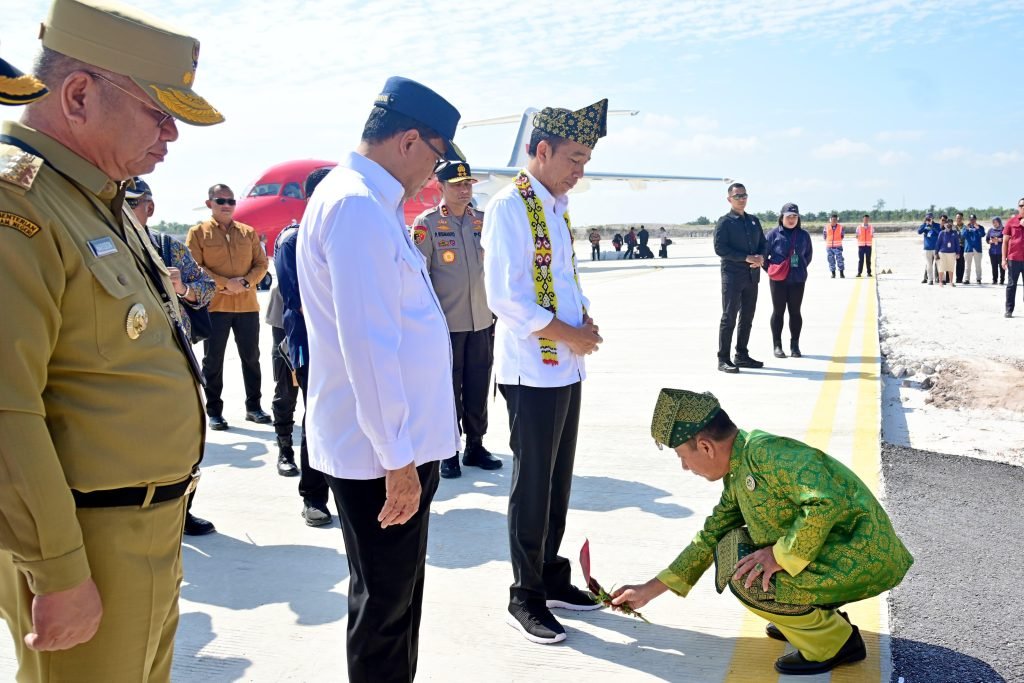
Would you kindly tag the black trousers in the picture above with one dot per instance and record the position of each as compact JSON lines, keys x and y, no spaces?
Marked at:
{"x":472,"y":357}
{"x":1014,"y":269}
{"x":998,"y":272}
{"x":246,"y":327}
{"x":595,"y":252}
{"x":739,"y":301}
{"x":787,"y":296}
{"x":960,"y":264}
{"x":543,"y":424}
{"x":385,"y":596}
{"x":863,"y":258}
{"x":629,"y":251}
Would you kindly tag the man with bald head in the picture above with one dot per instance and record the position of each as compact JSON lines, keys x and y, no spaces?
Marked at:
{"x":101,"y":417}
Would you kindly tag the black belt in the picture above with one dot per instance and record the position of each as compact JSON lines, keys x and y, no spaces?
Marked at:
{"x":135,"y":496}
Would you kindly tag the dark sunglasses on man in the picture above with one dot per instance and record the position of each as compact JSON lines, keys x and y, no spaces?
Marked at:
{"x":221,"y":201}
{"x":742,"y":195}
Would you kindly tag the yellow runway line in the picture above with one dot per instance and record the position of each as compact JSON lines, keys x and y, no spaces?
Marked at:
{"x":755,"y":653}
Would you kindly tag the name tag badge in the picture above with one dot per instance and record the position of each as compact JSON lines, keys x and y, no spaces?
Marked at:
{"x":102,"y":246}
{"x":794,"y":260}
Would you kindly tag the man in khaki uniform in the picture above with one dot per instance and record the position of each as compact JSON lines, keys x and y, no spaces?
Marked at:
{"x":232,"y":254}
{"x":101,"y":420}
{"x":449,"y":237}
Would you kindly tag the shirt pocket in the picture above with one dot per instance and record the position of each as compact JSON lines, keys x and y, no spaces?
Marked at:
{"x":117,"y":288}
{"x":416,"y":288}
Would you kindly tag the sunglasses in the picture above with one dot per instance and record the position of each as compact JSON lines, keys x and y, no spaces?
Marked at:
{"x":163,"y":116}
{"x":221,"y":201}
{"x":743,"y":195}
{"x":440,"y":156}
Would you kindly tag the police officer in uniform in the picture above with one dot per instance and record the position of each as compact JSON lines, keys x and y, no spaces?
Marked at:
{"x":449,"y":237}
{"x":101,"y":416}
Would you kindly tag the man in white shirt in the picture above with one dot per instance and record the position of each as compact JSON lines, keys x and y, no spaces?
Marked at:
{"x":543,"y":332}
{"x":381,"y":410}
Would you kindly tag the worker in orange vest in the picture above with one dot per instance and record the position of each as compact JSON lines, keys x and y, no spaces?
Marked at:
{"x":834,"y":246}
{"x":865,"y":236}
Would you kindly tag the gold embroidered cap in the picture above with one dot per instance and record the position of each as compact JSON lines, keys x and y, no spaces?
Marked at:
{"x":679,"y":414}
{"x":585,"y":126}
{"x":455,"y":172}
{"x":160,"y":58}
{"x":18,"y":88}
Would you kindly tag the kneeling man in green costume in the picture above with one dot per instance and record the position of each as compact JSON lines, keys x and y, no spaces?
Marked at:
{"x":795,"y":535}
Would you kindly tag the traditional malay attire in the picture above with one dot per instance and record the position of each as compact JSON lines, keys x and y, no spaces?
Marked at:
{"x":832,"y":538}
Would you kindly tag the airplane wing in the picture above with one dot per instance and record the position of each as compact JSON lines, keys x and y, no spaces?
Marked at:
{"x":493,"y":179}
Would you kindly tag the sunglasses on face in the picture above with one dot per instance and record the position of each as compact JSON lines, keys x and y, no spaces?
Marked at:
{"x":439,"y":164}
{"x":221,"y":201}
{"x":743,"y":195}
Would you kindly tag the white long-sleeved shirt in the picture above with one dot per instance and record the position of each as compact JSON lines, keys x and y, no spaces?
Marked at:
{"x":380,"y":392}
{"x":508,"y":279}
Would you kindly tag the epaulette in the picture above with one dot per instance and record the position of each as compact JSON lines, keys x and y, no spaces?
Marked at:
{"x":18,"y":167}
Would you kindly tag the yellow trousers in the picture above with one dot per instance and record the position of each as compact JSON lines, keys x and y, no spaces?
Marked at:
{"x":135,"y":559}
{"x":818,"y":635}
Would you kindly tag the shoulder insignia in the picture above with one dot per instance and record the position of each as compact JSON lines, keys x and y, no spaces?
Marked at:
{"x":17,"y":167}
{"x":419,"y":234}
{"x":19,"y":223}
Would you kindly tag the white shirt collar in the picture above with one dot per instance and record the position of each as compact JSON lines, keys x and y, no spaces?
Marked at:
{"x":377,"y":178}
{"x":558,"y":205}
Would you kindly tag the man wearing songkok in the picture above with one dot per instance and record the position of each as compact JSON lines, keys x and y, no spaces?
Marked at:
{"x":448,"y":235}
{"x":101,"y":415}
{"x":795,"y":535}
{"x":381,"y":411}
{"x":543,"y":332}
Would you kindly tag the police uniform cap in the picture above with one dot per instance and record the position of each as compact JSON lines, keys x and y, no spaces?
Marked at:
{"x":417,"y":101}
{"x":138,"y":189}
{"x":456,"y":172}
{"x":679,"y":414}
{"x":160,"y":58}
{"x":18,"y":88}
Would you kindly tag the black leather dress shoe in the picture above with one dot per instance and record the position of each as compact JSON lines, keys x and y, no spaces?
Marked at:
{"x":286,"y":466}
{"x":747,"y":362}
{"x":476,"y":455}
{"x":726,"y":366}
{"x":450,"y":468}
{"x":794,"y":351}
{"x":779,"y":353}
{"x":217,"y":423}
{"x":197,"y":526}
{"x":794,"y":663}
{"x":258,"y":416}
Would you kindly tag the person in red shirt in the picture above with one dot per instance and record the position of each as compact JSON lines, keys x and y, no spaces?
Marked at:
{"x":1013,"y":255}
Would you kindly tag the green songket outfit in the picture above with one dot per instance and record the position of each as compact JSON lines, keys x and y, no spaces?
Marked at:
{"x":830,"y":535}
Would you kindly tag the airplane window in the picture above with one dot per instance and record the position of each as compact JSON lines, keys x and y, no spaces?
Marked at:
{"x":292,"y":190}
{"x":265,"y":189}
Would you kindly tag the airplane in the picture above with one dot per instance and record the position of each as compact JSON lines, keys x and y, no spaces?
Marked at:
{"x":277,"y":197}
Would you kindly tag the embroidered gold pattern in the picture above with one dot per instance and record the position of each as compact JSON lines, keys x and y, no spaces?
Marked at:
{"x":188,"y":106}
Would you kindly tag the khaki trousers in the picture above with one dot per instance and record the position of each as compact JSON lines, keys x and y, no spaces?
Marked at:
{"x":135,"y":558}
{"x":818,"y":635}
{"x":972,"y":258}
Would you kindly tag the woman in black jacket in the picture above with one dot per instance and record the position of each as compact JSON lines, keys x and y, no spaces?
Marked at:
{"x":789,"y":253}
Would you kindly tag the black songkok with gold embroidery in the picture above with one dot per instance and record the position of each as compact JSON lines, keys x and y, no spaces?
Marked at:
{"x":585,"y":126}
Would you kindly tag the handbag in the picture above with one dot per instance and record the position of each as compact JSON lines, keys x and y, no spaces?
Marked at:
{"x":202,"y":326}
{"x":780,"y":271}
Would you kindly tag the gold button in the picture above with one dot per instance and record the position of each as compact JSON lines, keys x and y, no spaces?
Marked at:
{"x":138,"y":321}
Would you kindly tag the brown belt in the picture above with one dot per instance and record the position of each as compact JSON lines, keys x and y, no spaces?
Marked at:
{"x":135,"y":496}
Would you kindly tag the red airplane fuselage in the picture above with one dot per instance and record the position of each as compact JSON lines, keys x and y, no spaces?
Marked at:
{"x":278,"y":197}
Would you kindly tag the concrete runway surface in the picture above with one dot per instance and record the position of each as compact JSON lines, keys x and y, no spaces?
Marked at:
{"x":264,"y":599}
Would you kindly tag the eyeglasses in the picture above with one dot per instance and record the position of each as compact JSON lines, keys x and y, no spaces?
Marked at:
{"x":440,"y":156}
{"x":164,"y":117}
{"x":742,"y":195}
{"x":221,"y":201}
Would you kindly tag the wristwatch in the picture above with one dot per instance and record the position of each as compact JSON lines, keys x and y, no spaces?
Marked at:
{"x":245,"y":283}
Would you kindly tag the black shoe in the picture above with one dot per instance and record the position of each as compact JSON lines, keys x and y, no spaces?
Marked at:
{"x":537,"y":624}
{"x":258,"y":416}
{"x":1008,"y":314}
{"x":794,"y":351}
{"x":833,"y":275}
{"x":476,"y":455}
{"x":217,"y":423}
{"x":924,"y":280}
{"x":870,"y":275}
{"x":197,"y":526}
{"x":286,"y":466}
{"x":857,"y":275}
{"x":779,"y":353}
{"x":794,"y":663}
{"x":747,"y":362}
{"x":842,"y":274}
{"x":315,"y":515}
{"x":450,"y":468}
{"x":726,"y":366}
{"x":573,"y":598}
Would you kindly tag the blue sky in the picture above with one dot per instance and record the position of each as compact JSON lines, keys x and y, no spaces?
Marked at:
{"x":831,"y":104}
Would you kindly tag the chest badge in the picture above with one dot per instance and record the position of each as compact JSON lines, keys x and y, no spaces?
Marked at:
{"x":751,"y":484}
{"x":138,"y":321}
{"x":448,"y":256}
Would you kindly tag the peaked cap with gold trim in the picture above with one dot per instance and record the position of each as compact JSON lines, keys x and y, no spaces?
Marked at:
{"x":160,"y":58}
{"x":585,"y":126}
{"x":679,"y":414}
{"x":18,"y":88}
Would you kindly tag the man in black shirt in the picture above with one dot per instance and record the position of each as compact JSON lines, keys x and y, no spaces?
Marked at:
{"x":740,"y":243}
